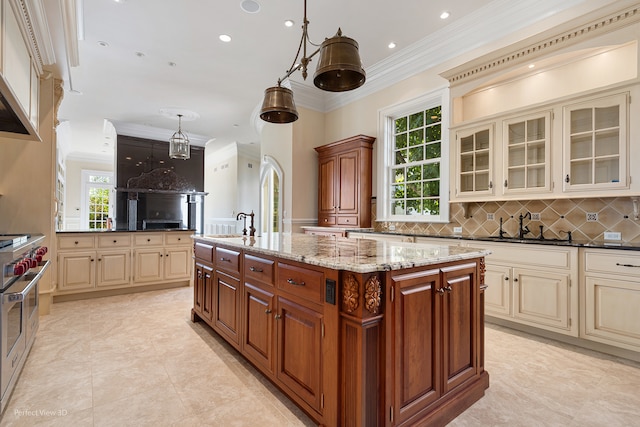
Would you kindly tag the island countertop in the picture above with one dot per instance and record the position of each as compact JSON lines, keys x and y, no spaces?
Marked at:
{"x":341,"y":253}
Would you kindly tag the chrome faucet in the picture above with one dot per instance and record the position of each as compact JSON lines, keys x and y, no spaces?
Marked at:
{"x":252,"y":229}
{"x":523,"y":230}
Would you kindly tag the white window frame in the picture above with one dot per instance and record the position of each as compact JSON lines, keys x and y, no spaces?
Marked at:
{"x":385,"y":157}
{"x":85,"y":185}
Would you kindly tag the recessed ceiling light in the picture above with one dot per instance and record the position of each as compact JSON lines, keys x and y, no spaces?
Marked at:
{"x":128,"y":157}
{"x":444,"y":15}
{"x":288,"y":23}
{"x":225,"y":38}
{"x":532,"y":65}
{"x":103,"y":43}
{"x":140,"y":54}
{"x":250,"y":6}
{"x":392,"y":45}
{"x":172,"y":64}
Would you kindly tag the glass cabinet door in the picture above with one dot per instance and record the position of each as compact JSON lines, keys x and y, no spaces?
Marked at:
{"x":526,"y":153}
{"x":595,"y":142}
{"x":475,"y":151}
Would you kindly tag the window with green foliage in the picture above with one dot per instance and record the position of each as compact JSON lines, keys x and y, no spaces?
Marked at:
{"x":416,"y":159}
{"x":97,"y":201}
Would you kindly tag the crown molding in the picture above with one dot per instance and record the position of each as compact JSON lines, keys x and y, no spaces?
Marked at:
{"x":35,"y":29}
{"x":496,"y":21}
{"x":530,"y":50}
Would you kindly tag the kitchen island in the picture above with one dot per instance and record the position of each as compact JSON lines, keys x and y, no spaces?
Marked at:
{"x":356,"y":332}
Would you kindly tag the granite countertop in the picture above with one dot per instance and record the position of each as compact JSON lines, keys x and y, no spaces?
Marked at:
{"x":342,"y":253}
{"x":601,"y":244}
{"x":124,"y":231}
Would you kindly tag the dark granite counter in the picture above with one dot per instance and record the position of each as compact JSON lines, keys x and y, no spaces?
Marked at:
{"x":633,"y":246}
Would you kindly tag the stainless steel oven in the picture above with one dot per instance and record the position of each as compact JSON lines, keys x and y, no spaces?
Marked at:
{"x":22,"y":267}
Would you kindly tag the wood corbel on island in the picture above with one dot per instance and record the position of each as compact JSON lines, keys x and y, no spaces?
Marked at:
{"x":354,"y":331}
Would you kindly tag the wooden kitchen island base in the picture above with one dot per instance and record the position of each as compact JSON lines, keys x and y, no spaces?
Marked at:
{"x":356,"y":332}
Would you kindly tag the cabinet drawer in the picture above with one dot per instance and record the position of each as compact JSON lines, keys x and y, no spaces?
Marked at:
{"x":260,"y":269}
{"x":300,"y":281}
{"x":326,"y":220}
{"x":177,"y":239}
{"x":529,"y":254}
{"x":348,"y":220}
{"x":228,"y":259}
{"x":203,"y":251}
{"x":114,"y":241}
{"x":75,"y":242}
{"x":616,"y":262}
{"x":147,"y":239}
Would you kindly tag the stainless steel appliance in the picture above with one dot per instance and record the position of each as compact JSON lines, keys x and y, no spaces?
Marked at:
{"x":21,"y":260}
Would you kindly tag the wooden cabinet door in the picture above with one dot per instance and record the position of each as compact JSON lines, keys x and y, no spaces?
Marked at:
{"x":498,"y":293}
{"x":198,"y":289}
{"x":299,"y":360}
{"x":113,"y":268}
{"x":259,"y":336}
{"x":348,"y":183}
{"x":460,"y":317}
{"x":226,"y":307}
{"x":415,"y":334}
{"x":149,"y":265}
{"x":327,"y":200}
{"x":76,"y":270}
{"x":177,"y":263}
{"x":203,"y":291}
{"x":542,"y":298}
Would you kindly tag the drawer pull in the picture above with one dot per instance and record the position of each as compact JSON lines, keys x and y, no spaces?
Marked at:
{"x":223,"y":259}
{"x":448,"y":289}
{"x":268,"y":311}
{"x":440,"y":291}
{"x":294,"y":283}
{"x":115,"y":241}
{"x":256,"y":269}
{"x":76,"y":242}
{"x":627,"y":265}
{"x":278,"y":317}
{"x":506,"y":279}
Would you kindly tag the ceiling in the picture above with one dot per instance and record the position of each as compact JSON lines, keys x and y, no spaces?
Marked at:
{"x":137,"y":58}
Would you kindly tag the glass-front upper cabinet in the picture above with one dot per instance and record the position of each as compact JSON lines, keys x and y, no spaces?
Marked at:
{"x":526,"y":153}
{"x":595,"y":144}
{"x":474,"y":148}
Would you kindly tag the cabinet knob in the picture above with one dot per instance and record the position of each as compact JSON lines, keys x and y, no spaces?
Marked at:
{"x":440,"y":291}
{"x":92,"y":260}
{"x":515,"y":280}
{"x":257,"y":270}
{"x":115,"y":241}
{"x":99,"y":259}
{"x":179,"y":239}
{"x":490,"y":184}
{"x":268,"y":311}
{"x":160,"y":255}
{"x":76,"y":242}
{"x":566,"y":179}
{"x":506,"y":279}
{"x":167,"y":255}
{"x":505,"y":183}
{"x":223,"y":259}
{"x":148,"y":240}
{"x":448,"y":289}
{"x":278,"y":317}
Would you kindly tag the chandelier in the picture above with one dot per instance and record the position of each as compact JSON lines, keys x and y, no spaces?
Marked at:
{"x":339,"y":70}
{"x":179,"y":143}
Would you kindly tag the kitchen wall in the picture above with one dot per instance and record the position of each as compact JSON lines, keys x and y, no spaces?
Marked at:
{"x":556,"y":216}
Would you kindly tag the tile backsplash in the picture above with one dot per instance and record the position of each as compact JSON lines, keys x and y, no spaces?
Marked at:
{"x":587,"y":219}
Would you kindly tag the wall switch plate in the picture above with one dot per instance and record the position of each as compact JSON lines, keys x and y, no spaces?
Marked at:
{"x":592,"y":216}
{"x":490,"y":217}
{"x":392,"y":227}
{"x":535,"y":217}
{"x":457,"y":230}
{"x":612,"y":235}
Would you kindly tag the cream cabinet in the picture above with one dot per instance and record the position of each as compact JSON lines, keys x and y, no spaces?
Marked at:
{"x":611,"y":297}
{"x":595,"y":144}
{"x":474,"y":152}
{"x":90,"y":262}
{"x":110,"y":260}
{"x":162,"y":257}
{"x":534,"y":285}
{"x":381,"y":236}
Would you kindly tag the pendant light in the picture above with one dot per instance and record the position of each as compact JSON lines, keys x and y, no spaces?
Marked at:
{"x":179,"y":143}
{"x":339,"y":70}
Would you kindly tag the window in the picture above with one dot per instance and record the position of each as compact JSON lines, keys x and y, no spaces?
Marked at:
{"x":413,"y":154}
{"x":97,"y":201}
{"x":271,"y":196}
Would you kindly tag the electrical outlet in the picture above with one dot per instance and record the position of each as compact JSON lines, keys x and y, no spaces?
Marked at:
{"x":490,"y":217}
{"x":535,"y":217}
{"x":612,"y":235}
{"x":592,"y":216}
{"x":457,"y":230}
{"x":392,"y":227}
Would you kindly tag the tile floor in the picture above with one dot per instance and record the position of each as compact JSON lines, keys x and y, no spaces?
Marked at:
{"x":138,"y":360}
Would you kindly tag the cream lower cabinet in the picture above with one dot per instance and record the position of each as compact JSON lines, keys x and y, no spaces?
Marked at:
{"x":161,"y":257}
{"x":532,"y":285}
{"x":96,"y":261}
{"x":611,"y":297}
